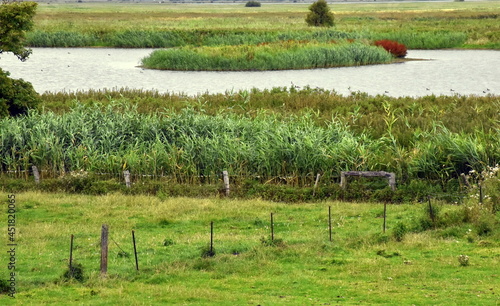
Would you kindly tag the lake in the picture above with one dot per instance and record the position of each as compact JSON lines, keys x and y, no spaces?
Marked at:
{"x":439,"y":72}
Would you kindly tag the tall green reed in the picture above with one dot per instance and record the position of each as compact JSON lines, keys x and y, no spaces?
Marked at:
{"x":275,"y":56}
{"x":190,"y":144}
{"x":214,"y":37}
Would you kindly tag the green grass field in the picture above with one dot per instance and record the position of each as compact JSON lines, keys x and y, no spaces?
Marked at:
{"x":362,"y":265}
{"x":103,"y":23}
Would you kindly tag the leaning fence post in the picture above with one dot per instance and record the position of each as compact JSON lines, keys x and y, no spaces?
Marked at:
{"x":104,"y":249}
{"x":135,"y":251}
{"x":225,"y":177}
{"x":126,"y":174}
{"x":316,"y":183}
{"x":36,"y":174}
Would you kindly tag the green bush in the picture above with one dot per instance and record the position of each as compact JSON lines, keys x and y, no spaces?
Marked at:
{"x":253,"y":4}
{"x":4,"y":286}
{"x":486,"y":224}
{"x":320,"y":15}
{"x":16,"y":96}
{"x":399,"y":231}
{"x":76,"y":272}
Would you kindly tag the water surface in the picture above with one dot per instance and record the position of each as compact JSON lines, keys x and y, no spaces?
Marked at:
{"x":442,"y":72}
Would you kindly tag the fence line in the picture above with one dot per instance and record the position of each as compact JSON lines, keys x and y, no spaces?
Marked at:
{"x":225,"y":178}
{"x":309,"y":179}
{"x":105,"y":235}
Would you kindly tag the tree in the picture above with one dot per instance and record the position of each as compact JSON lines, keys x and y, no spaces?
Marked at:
{"x":319,"y":15}
{"x":16,"y":18}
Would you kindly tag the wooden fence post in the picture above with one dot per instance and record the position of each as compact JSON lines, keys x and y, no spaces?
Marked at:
{"x":481,"y":196}
{"x":71,"y":257}
{"x":104,"y":249}
{"x":385,"y":215}
{"x":391,"y":177}
{"x":392,"y":181}
{"x":342,"y":180}
{"x":431,"y":213}
{"x":36,"y":174}
{"x":135,"y":251}
{"x":126,"y":174}
{"x":225,"y":177}
{"x":316,"y":183}
{"x":212,"y":238}
{"x":272,"y":228}
{"x":330,"y":222}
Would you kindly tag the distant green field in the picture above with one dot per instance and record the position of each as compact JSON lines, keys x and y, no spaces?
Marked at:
{"x":416,"y":261}
{"x":87,"y":24}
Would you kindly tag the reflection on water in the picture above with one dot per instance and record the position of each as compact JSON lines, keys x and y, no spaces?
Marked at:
{"x":444,"y":72}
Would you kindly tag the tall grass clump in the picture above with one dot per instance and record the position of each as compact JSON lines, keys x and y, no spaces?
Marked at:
{"x":148,"y":39}
{"x":180,"y":144}
{"x":167,"y":38}
{"x":61,"y":39}
{"x":276,"y":56}
{"x":424,"y":40}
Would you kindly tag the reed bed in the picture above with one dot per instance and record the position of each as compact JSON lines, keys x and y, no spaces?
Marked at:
{"x":277,"y":56}
{"x":168,"y":38}
{"x":360,"y":111}
{"x":64,"y":39}
{"x":190,"y":143}
{"x":176,"y":37}
{"x":424,"y":40}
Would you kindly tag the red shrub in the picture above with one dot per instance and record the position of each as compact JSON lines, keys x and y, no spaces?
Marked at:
{"x":395,"y":48}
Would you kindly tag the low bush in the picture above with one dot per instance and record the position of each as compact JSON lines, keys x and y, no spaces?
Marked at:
{"x":76,"y":272}
{"x":253,"y":4}
{"x":395,"y":48}
{"x":399,"y":232}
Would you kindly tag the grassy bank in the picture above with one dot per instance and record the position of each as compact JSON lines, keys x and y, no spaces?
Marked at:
{"x":414,"y":262}
{"x":275,"y":56}
{"x":418,"y":25}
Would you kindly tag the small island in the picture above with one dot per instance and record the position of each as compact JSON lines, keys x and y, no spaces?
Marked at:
{"x":281,"y":55}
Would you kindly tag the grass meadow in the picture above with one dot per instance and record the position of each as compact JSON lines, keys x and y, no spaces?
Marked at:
{"x":413,"y":262}
{"x":417,"y":25}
